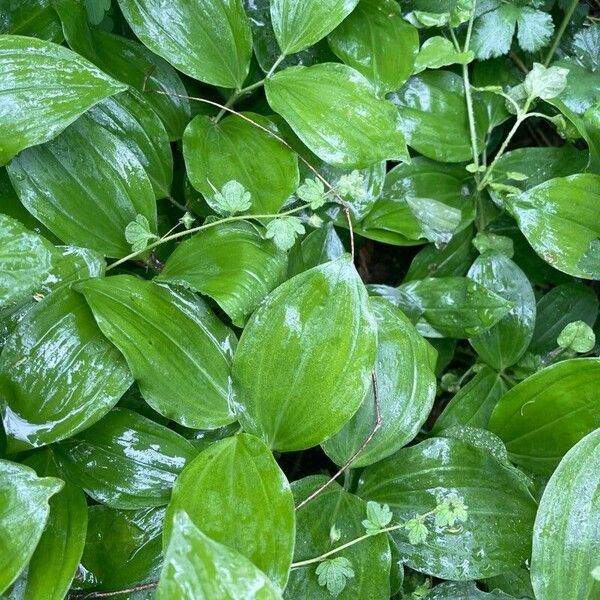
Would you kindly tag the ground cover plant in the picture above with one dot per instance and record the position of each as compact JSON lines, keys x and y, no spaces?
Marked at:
{"x":298,"y":299}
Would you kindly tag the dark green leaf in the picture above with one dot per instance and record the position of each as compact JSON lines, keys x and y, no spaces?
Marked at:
{"x":285,"y":393}
{"x":318,"y":247}
{"x":450,"y":590}
{"x":582,"y":89}
{"x":35,"y":18}
{"x":176,"y":348}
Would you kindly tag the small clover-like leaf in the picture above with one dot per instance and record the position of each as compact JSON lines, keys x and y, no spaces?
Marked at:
{"x":450,"y":511}
{"x":417,"y":530}
{"x":138,"y":233}
{"x":334,"y":573}
{"x":284,"y":230}
{"x":312,"y":192}
{"x":545,"y":82}
{"x":352,"y":185}
{"x":577,"y":336}
{"x":233,"y":198}
{"x":187,"y":220}
{"x":378,"y":517}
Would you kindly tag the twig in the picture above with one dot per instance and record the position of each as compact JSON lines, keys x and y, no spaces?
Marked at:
{"x":131,"y":590}
{"x":517,"y":60}
{"x":561,"y":31}
{"x":359,"y":451}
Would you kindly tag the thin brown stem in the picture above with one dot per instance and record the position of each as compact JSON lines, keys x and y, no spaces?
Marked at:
{"x":131,"y":590}
{"x":358,"y":451}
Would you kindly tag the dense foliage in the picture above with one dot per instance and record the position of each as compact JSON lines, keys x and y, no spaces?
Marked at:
{"x":298,"y":299}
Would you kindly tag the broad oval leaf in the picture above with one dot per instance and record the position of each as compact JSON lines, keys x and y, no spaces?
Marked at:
{"x":503,"y":345}
{"x":58,"y":373}
{"x":56,"y":558}
{"x":235,"y":149}
{"x":231,"y":263}
{"x":239,"y":476}
{"x":209,"y":40}
{"x":433,"y":116}
{"x":412,"y":480}
{"x":86,"y":186}
{"x":545,"y":415}
{"x":566,"y":546}
{"x":44,"y":88}
{"x":561,"y":220}
{"x":301,"y":23}
{"x":333,"y":109}
{"x":319,"y":317}
{"x":23,"y":514}
{"x":199,"y":568}
{"x":126,"y":460}
{"x":176,"y":348}
{"x":336,"y":510}
{"x":406,"y":386}
{"x":377,"y":42}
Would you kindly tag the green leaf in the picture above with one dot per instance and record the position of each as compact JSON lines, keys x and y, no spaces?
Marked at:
{"x":109,"y":177}
{"x":235,"y":149}
{"x":318,"y":247}
{"x":336,"y":508}
{"x":565,"y":537}
{"x":301,"y":23}
{"x":233,"y":198}
{"x":34,"y":18}
{"x":58,"y":374}
{"x":561,"y":219}
{"x":199,"y":568}
{"x":209,"y":40}
{"x":44,"y":87}
{"x":56,"y":558}
{"x":312,"y":191}
{"x":23,"y":514}
{"x":545,"y":82}
{"x":545,"y":415}
{"x":412,"y":479}
{"x":333,"y":109}
{"x":378,"y":517}
{"x":319,"y":317}
{"x":464,"y":590}
{"x":173,"y":344}
{"x":562,"y":305}
{"x":439,"y":52}
{"x":433,"y":116}
{"x":239,"y":476}
{"x":506,"y":342}
{"x":138,"y":233}
{"x":125,"y":460}
{"x":333,"y":574}
{"x":231,"y":263}
{"x":449,"y":511}
{"x":25,"y":261}
{"x":473,"y":404}
{"x":96,"y":9}
{"x":378,"y":43}
{"x":447,"y":306}
{"x":406,"y":391}
{"x":283,"y":231}
{"x":577,"y":336}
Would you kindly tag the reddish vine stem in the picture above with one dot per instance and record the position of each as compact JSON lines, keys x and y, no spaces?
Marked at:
{"x":357,"y":452}
{"x":131,"y":590}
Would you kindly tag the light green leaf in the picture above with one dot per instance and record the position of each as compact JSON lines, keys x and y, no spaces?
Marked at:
{"x":199,"y":568}
{"x":378,"y":517}
{"x":231,"y":263}
{"x":209,"y":40}
{"x":312,"y":191}
{"x":125,"y":460}
{"x":439,"y":52}
{"x":44,"y":88}
{"x":45,"y":403}
{"x":138,"y":233}
{"x":577,"y":336}
{"x":565,"y":538}
{"x":283,"y":231}
{"x":23,"y":514}
{"x":545,"y":83}
{"x":333,"y":109}
{"x":586,"y":46}
{"x":233,"y":198}
{"x":490,"y":243}
{"x":333,"y":574}
{"x":318,"y":247}
{"x":318,"y":317}
{"x":417,"y":531}
{"x":238,"y":475}
{"x":174,"y":346}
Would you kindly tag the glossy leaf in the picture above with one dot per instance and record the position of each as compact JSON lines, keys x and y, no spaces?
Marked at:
{"x":413,"y":479}
{"x":561,"y":220}
{"x":176,"y":348}
{"x":565,"y":537}
{"x":333,"y":109}
{"x":545,"y":415}
{"x":58,"y":374}
{"x":320,"y":317}
{"x":56,"y":558}
{"x":439,"y":52}
{"x":199,"y":568}
{"x":318,"y":247}
{"x":231,"y":263}
{"x":433,"y":116}
{"x":298,"y":24}
{"x":44,"y":88}
{"x":451,"y":590}
{"x":505,"y":343}
{"x":35,"y":18}
{"x":337,"y":510}
{"x":406,"y":390}
{"x":238,"y":475}
{"x":86,"y":162}
{"x":126,"y":460}
{"x":237,"y":150}
{"x":378,"y":43}
{"x":23,"y":514}
{"x":209,"y":40}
